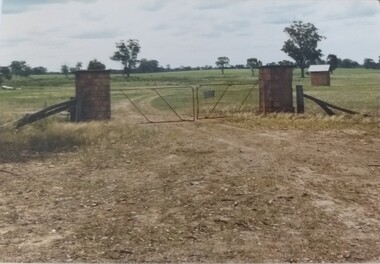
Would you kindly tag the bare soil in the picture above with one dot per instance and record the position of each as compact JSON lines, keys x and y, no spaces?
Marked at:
{"x":205,"y":191}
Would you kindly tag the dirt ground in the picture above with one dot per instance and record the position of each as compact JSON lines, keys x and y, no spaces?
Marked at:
{"x":204,"y":191}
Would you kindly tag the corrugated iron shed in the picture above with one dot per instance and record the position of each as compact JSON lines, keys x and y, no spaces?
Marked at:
{"x":319,"y":68}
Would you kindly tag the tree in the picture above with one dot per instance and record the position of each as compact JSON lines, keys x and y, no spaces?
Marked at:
{"x":347,"y":63}
{"x":240,"y":66}
{"x":16,"y":67}
{"x":185,"y":68}
{"x":65,"y":70}
{"x":148,"y":66}
{"x":303,"y":43}
{"x":96,"y":65}
{"x":285,"y":63}
{"x":339,"y":62}
{"x":206,"y":67}
{"x":77,"y":67}
{"x":20,"y":68}
{"x":26,"y":71}
{"x":39,"y":70}
{"x":332,"y":59}
{"x":127,"y":54}
{"x":369,"y":64}
{"x":5,"y":73}
{"x":253,"y":63}
{"x":222,"y":63}
{"x":320,"y":61}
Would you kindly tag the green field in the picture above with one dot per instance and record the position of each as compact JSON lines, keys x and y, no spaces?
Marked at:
{"x":355,"y":89}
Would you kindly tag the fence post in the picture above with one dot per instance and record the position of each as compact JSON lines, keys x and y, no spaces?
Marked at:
{"x":378,"y":113}
{"x":193,"y":94}
{"x":197,"y":99}
{"x":300,"y":100}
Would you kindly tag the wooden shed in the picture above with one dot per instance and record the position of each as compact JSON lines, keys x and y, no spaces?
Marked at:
{"x":320,"y":75}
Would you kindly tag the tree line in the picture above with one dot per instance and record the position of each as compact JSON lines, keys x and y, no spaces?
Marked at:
{"x":19,"y":68}
{"x":301,"y":46}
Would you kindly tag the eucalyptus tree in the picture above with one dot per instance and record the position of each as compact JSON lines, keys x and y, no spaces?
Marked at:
{"x":127,"y":53}
{"x":302,"y":45}
{"x":253,"y":64}
{"x":332,"y":59}
{"x":222,"y":63}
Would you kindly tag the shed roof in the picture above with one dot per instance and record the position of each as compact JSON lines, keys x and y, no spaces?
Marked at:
{"x":319,"y":68}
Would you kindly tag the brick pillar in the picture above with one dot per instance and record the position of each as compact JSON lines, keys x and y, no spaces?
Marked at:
{"x":275,"y":89}
{"x":92,"y":91}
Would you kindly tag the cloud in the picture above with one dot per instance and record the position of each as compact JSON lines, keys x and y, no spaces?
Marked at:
{"x":92,"y":16}
{"x":285,"y":14}
{"x":181,"y":32}
{"x":232,"y":26}
{"x":19,"y":6}
{"x":353,"y":12}
{"x":211,"y":5}
{"x":97,"y":34}
{"x":153,"y":5}
{"x":161,"y":27}
{"x":278,"y":20}
{"x":211,"y":35}
{"x":12,"y":42}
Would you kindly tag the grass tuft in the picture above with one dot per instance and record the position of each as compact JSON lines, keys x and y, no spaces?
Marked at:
{"x":53,"y":136}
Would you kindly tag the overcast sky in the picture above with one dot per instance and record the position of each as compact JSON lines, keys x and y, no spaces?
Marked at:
{"x":50,"y":33}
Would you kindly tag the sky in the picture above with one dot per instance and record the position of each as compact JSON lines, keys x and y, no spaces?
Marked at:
{"x":51,"y":33}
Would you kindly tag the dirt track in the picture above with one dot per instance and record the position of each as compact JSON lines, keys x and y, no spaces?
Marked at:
{"x":203,"y":191}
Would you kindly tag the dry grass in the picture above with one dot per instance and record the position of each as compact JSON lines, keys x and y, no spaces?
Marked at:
{"x":54,"y":136}
{"x":314,"y":122}
{"x":215,"y":190}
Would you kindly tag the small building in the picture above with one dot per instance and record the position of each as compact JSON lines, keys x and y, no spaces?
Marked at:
{"x":320,"y":75}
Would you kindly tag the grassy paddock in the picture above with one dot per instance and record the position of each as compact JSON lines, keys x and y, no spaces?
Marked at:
{"x":355,"y":89}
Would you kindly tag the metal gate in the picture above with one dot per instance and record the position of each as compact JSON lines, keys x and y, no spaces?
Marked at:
{"x":188,"y":103}
{"x":222,"y":100}
{"x":163,"y":104}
